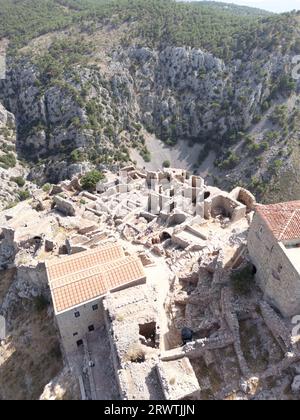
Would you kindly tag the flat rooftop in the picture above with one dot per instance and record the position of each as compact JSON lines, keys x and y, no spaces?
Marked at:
{"x":88,"y":275}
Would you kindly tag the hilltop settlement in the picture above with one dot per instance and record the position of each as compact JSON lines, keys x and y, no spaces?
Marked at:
{"x":157,"y":286}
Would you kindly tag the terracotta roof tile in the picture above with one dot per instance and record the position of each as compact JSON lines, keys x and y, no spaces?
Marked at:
{"x":61,"y":267}
{"x":283,"y":219}
{"x":90,"y":274}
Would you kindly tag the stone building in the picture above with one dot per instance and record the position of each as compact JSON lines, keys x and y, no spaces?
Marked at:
{"x":79,"y":282}
{"x":274,"y":247}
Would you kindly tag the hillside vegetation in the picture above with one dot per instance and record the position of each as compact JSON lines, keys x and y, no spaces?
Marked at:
{"x":198,"y":24}
{"x":88,"y":80}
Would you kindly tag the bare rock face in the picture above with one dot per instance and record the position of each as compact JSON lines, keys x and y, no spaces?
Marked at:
{"x":5,"y":117}
{"x":62,"y":387}
{"x":296,"y":384}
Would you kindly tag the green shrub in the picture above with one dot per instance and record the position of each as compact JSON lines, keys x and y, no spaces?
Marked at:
{"x":90,"y":180}
{"x":166,"y":164}
{"x":77,"y":156}
{"x":46,"y":187}
{"x":146,"y":157}
{"x":8,"y":161}
{"x":23,"y":195}
{"x":287,"y":84}
{"x":144,"y":152}
{"x":11,"y":205}
{"x":280,"y":115}
{"x":230,"y":162}
{"x":277,"y":165}
{"x":18,"y":180}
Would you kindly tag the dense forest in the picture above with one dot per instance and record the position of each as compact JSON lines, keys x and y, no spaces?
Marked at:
{"x":224,"y":31}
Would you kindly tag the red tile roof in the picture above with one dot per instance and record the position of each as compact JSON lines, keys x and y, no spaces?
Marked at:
{"x":90,"y":274}
{"x":283,"y":219}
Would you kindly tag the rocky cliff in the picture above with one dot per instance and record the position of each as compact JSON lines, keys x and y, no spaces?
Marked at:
{"x":88,"y":95}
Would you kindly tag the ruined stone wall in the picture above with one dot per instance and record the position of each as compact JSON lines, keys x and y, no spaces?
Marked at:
{"x":244,"y":196}
{"x":238,"y":213}
{"x":233,"y":324}
{"x":276,"y":275}
{"x":65,"y":206}
{"x":69,"y":325}
{"x":228,"y":207}
{"x":276,"y":326}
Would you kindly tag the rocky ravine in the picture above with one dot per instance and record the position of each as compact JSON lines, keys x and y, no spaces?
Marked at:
{"x":177,"y":93}
{"x":13,"y":173}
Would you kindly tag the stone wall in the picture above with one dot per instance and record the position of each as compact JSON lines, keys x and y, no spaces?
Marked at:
{"x":197,"y":348}
{"x":244,"y":196}
{"x":233,"y":324}
{"x":65,"y":206}
{"x":69,"y":325}
{"x":32,"y":281}
{"x":225,"y":205}
{"x":276,"y":275}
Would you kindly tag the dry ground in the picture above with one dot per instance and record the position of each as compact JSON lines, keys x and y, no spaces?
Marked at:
{"x":31,"y":356}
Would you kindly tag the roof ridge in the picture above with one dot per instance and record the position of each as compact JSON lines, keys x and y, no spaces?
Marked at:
{"x":288,"y":223}
{"x":73,"y":285}
{"x":93,"y":271}
{"x":90,"y":272}
{"x":58,"y":260}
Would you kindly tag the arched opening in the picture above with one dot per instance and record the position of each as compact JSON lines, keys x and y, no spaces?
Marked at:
{"x":164,"y":236}
{"x":254,"y":270}
{"x":206,"y":195}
